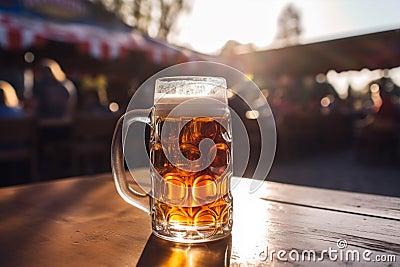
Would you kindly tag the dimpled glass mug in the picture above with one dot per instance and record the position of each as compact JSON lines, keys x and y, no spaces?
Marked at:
{"x":190,"y":159}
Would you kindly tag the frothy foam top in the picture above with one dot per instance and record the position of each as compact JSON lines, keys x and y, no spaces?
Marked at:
{"x":178,"y":89}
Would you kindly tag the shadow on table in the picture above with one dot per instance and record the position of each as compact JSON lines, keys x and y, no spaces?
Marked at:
{"x":158,"y":252}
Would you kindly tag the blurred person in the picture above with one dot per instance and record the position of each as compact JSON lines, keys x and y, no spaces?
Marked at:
{"x":9,"y":109}
{"x":387,"y":111}
{"x":54,"y":93}
{"x":377,"y":136}
{"x":383,"y":97}
{"x":323,"y":98}
{"x":9,"y":103}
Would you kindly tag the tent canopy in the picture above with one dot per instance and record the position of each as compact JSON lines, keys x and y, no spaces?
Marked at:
{"x":28,"y":23}
{"x":379,"y":50}
{"x":47,"y":24}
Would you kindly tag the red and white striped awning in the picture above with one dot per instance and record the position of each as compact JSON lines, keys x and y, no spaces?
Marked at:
{"x":162,"y":53}
{"x":18,"y":32}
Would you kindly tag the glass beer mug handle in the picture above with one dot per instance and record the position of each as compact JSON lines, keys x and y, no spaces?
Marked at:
{"x":123,"y":185}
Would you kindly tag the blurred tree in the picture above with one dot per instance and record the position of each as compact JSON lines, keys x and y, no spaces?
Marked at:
{"x":289,"y":28}
{"x":232,"y":47}
{"x":155,"y":17}
{"x":229,"y":48}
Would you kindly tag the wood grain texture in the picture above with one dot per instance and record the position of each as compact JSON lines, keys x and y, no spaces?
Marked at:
{"x":84,"y":222}
{"x":357,"y":203}
{"x":74,"y":222}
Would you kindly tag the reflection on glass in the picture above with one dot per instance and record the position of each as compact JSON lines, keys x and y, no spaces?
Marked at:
{"x":158,"y":253}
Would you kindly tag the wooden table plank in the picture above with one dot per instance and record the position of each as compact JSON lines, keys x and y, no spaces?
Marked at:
{"x":73,"y":220}
{"x":287,"y":227}
{"x":357,"y":203}
{"x":83,"y":222}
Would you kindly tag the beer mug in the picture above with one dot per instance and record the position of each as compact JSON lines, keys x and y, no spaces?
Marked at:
{"x":190,"y":153}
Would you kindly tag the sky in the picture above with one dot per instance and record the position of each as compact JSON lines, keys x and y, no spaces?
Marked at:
{"x":211,"y":23}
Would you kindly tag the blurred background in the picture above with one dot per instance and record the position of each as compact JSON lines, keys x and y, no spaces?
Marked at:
{"x":330,"y":71}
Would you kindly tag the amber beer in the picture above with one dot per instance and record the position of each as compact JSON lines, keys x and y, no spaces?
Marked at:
{"x":191,"y":204}
{"x":188,"y":189}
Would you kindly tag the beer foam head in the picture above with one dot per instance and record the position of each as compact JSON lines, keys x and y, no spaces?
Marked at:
{"x":175,"y":90}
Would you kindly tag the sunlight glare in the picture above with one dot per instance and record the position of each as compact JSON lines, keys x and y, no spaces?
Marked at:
{"x":374,"y":88}
{"x":252,"y":114}
{"x":10,"y":95}
{"x":252,"y":228}
{"x":212,"y":23}
{"x":395,"y":75}
{"x":114,"y":107}
{"x":339,"y":81}
{"x":325,"y":102}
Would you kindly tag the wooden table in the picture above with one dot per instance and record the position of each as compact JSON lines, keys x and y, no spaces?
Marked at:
{"x":83,"y":222}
